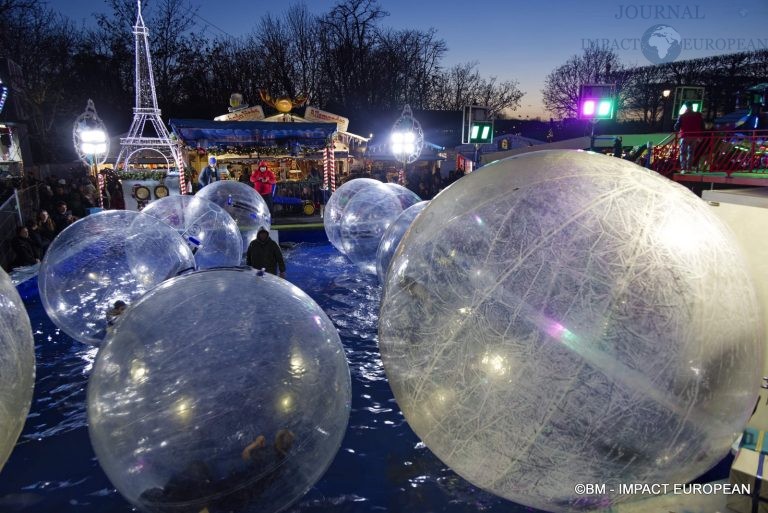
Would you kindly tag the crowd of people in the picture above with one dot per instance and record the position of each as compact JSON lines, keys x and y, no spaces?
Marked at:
{"x":61,"y":203}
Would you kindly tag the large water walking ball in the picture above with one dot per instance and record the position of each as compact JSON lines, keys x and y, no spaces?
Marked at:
{"x":17,"y":366}
{"x":405,"y":196}
{"x":209,"y":230}
{"x":393,"y":236}
{"x":115,"y":255}
{"x":243,"y":203}
{"x":338,"y":201}
{"x":194,"y":404}
{"x":368,"y":211}
{"x":563,"y":317}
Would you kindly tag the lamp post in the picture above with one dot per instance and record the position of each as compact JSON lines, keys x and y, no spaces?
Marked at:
{"x":665,"y":110}
{"x":89,"y":136}
{"x":406,"y":139}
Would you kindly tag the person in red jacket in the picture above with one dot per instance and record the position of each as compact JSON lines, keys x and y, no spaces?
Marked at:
{"x":690,"y":125}
{"x":264,"y":181}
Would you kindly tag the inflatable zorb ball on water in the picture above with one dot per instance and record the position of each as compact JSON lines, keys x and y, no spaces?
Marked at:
{"x":243,"y":203}
{"x":115,"y":255}
{"x":17,"y":366}
{"x":231,"y":409}
{"x":364,"y":218}
{"x":209,"y":230}
{"x":564,"y":317}
{"x":405,"y":196}
{"x":338,"y":201}
{"x":392,"y":238}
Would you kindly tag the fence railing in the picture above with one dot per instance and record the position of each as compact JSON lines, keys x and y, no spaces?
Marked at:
{"x":719,"y":151}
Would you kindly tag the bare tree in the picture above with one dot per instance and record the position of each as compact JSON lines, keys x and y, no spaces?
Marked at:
{"x":350,"y":34}
{"x":561,"y":86}
{"x":170,"y":32}
{"x":462,"y":85}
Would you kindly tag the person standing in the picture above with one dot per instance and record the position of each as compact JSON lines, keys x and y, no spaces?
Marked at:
{"x":690,"y":125}
{"x":209,"y":174}
{"x":26,"y":251}
{"x":264,"y":181}
{"x":264,"y":253}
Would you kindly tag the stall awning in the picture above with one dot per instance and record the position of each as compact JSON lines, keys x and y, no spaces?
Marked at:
{"x":223,"y":134}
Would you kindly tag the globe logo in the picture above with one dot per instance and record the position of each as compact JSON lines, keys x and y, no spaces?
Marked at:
{"x":661,"y":44}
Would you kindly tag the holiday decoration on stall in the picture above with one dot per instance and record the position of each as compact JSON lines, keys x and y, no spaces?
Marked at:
{"x":283,"y":104}
{"x":329,"y":170}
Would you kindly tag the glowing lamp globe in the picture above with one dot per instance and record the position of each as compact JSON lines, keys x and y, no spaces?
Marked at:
{"x":243,"y":203}
{"x":17,"y":366}
{"x":209,"y":230}
{"x":392,"y":237}
{"x":336,"y":205}
{"x":563,"y":317}
{"x":102,"y":258}
{"x":236,"y":409}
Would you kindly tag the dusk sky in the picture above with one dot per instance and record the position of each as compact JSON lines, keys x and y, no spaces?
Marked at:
{"x":520,"y":40}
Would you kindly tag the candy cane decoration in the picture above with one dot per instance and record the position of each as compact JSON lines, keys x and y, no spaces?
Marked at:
{"x":101,"y":189}
{"x":329,"y":170}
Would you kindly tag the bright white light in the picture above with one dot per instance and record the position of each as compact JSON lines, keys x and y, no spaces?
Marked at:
{"x":93,"y":136}
{"x":403,"y":142}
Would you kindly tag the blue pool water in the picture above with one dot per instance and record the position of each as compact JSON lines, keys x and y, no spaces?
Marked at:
{"x":381,"y":465}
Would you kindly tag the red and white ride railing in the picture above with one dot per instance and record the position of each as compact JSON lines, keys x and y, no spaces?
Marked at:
{"x":718,"y":151}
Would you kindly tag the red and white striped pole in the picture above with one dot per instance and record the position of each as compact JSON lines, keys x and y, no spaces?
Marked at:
{"x":332,"y":166}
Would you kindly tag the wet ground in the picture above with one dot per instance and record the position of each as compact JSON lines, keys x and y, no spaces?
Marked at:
{"x":381,"y":466}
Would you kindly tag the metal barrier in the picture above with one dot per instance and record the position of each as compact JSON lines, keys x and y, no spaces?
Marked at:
{"x":722,"y":151}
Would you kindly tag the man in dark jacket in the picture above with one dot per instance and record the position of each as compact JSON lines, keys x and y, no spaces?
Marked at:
{"x":27,"y":252}
{"x":264,"y":253}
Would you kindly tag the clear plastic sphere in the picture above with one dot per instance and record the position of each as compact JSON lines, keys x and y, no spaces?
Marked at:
{"x":338,"y":201}
{"x":194,"y":404}
{"x":17,"y":366}
{"x":209,"y":230}
{"x":243,"y":203}
{"x":405,"y":196}
{"x":563,"y":317}
{"x":364,"y":221}
{"x":392,"y":238}
{"x":115,"y":255}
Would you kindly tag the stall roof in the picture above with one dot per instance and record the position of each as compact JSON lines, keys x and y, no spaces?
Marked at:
{"x":203,"y":132}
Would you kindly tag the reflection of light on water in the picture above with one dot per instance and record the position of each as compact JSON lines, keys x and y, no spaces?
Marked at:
{"x":89,"y":355}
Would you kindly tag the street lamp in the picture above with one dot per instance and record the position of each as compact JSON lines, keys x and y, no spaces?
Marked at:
{"x":89,"y":136}
{"x":665,"y":109}
{"x":406,"y":138}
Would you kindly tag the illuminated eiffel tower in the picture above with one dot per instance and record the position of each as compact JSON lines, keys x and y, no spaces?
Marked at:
{"x":136,"y":144}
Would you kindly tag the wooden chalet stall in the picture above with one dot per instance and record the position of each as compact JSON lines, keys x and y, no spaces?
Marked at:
{"x":293,"y":147}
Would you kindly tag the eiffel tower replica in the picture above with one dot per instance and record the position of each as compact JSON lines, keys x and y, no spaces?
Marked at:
{"x":136,"y":144}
